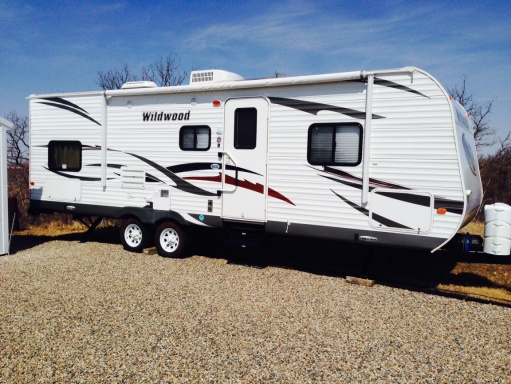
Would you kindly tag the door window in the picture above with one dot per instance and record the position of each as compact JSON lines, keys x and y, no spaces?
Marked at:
{"x":245,"y":128}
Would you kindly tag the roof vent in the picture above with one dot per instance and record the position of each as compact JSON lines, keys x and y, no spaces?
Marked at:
{"x":139,"y":84}
{"x":213,"y":76}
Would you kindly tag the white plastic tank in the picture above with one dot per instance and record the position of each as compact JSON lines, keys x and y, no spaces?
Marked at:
{"x":497,"y":229}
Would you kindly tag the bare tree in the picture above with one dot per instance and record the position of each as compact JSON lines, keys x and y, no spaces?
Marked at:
{"x":484,"y":134}
{"x":164,"y":72}
{"x":17,"y":167}
{"x":496,"y":173}
{"x":115,"y":78}
{"x":17,"y":139}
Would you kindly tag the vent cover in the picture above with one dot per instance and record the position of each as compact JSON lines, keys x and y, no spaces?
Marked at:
{"x":132,"y":177}
{"x":213,"y":76}
{"x":139,"y":84}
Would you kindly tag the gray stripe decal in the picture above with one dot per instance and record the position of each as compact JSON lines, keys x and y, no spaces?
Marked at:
{"x":314,"y":108}
{"x":422,"y":200}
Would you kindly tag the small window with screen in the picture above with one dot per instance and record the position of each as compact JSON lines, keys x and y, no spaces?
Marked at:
{"x":195,"y":138}
{"x":335,"y":144}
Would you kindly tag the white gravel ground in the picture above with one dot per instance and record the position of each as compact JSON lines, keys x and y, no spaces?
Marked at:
{"x":88,"y":313}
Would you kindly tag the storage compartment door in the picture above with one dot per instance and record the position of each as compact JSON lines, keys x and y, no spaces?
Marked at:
{"x":401,"y":210}
{"x":69,"y":190}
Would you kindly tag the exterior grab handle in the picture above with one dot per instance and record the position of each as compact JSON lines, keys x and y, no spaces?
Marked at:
{"x":223,"y":155}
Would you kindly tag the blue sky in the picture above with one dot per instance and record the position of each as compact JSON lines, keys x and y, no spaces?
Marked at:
{"x":59,"y":46}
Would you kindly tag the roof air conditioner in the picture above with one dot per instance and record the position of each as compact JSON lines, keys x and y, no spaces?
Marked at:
{"x":213,"y":76}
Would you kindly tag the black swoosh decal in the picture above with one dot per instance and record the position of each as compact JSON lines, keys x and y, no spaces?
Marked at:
{"x":314,"y":108}
{"x":378,"y":218}
{"x":391,"y":84}
{"x":348,"y":183}
{"x":180,"y":183}
{"x":387,"y":222}
{"x":352,"y":205}
{"x":68,"y":107}
{"x":60,"y":100}
{"x":82,"y":178}
{"x":356,"y":182}
{"x":374,"y":182}
{"x":152,"y":179}
{"x":110,"y":165}
{"x":411,"y":198}
{"x":209,"y":220}
{"x":203,"y":166}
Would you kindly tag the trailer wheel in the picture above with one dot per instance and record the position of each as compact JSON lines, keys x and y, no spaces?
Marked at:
{"x":171,"y":240}
{"x":133,"y":235}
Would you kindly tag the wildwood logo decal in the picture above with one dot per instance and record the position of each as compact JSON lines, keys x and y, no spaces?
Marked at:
{"x":164,"y":116}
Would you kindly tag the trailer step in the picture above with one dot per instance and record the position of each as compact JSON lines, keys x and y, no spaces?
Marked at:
{"x":243,"y":235}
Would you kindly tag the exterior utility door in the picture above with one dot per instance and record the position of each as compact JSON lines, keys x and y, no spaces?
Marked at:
{"x":244,"y":159}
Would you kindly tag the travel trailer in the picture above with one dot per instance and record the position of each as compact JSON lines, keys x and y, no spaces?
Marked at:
{"x":370,"y":157}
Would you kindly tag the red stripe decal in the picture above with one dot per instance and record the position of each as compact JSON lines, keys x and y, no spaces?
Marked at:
{"x":259,"y":188}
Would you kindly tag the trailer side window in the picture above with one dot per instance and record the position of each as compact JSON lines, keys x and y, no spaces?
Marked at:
{"x":245,"y":128}
{"x":195,"y":138}
{"x":65,"y":156}
{"x":335,"y":144}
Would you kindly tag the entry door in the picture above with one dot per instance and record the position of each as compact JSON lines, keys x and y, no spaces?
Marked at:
{"x":244,"y":159}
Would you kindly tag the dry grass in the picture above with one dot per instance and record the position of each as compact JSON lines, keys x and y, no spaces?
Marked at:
{"x":481,"y":280}
{"x":474,"y":228}
{"x":500,"y":294}
{"x":53,"y":229}
{"x":475,"y":277}
{"x":56,"y":228}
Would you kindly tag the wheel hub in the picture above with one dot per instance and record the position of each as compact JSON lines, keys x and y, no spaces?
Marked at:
{"x":133,"y":235}
{"x":169,"y":240}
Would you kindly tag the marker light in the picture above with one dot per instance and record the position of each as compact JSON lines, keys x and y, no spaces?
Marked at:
{"x":32,"y":183}
{"x":441,"y":211}
{"x":217,"y":103}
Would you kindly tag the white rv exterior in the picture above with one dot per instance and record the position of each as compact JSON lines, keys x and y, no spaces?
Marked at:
{"x":382,"y":157}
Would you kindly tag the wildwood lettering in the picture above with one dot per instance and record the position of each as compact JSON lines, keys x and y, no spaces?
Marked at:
{"x":163,"y":116}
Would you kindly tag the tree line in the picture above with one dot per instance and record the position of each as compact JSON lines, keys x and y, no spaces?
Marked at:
{"x":495,"y":168}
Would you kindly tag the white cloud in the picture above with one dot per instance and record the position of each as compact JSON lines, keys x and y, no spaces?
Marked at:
{"x":308,"y":37}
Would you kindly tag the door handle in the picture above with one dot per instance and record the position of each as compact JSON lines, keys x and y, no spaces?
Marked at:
{"x":223,"y":155}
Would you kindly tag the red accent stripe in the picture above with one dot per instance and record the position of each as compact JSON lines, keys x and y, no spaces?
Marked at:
{"x":259,"y":188}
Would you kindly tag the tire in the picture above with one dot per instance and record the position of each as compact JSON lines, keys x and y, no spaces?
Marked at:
{"x":134,"y":235}
{"x":170,"y":240}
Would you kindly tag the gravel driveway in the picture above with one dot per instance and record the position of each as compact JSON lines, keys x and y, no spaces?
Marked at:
{"x":92,"y":312}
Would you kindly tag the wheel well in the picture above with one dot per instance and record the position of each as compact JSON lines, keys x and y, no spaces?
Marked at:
{"x":151,"y":217}
{"x":168,"y":220}
{"x":127,"y":217}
